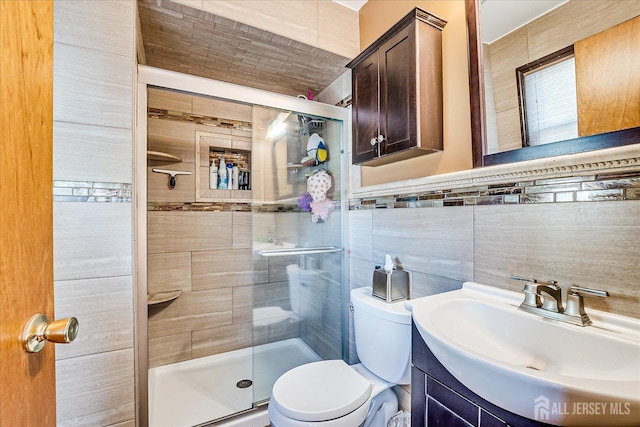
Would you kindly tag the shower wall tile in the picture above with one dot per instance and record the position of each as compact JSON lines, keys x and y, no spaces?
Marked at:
{"x":218,"y":108}
{"x":278,"y":267}
{"x":191,"y":311}
{"x":221,"y":339}
{"x":158,"y":190}
{"x":188,"y":231}
{"x":130,"y":423}
{"x":169,"y":100}
{"x":588,"y":244}
{"x":242,"y":304}
{"x":96,"y":389}
{"x":432,"y":241}
{"x":168,"y":272}
{"x":169,"y":349}
{"x":222,"y":268}
{"x":242,"y":227}
{"x":272,"y":294}
{"x":101,"y":26}
{"x":172,"y":136}
{"x":92,"y":240}
{"x":92,"y":153}
{"x":361,"y":234}
{"x":104,"y":305}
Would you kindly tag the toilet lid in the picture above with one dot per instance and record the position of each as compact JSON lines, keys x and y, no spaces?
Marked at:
{"x":320,"y":391}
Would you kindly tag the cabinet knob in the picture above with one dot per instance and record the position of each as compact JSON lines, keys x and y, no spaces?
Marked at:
{"x":380,"y":138}
{"x":374,"y":141}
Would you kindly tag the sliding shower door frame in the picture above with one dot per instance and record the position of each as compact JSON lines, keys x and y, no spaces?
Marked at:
{"x":155,"y":77}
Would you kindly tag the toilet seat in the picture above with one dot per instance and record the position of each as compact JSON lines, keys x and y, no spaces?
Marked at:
{"x":320,"y":391}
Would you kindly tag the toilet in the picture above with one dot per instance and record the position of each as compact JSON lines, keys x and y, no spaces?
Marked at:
{"x":330,"y":393}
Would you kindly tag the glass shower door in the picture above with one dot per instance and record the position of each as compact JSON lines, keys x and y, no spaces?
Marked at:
{"x":297,"y":223}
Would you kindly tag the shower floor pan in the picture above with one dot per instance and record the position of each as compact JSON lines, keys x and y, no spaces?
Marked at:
{"x":200,"y":390}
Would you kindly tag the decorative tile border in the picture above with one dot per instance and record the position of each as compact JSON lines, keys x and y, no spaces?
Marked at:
{"x":89,"y":191}
{"x":585,"y":188}
{"x":228,"y":207}
{"x":157,"y":113}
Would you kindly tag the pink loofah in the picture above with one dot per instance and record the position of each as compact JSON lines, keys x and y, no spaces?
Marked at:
{"x":321,"y":210}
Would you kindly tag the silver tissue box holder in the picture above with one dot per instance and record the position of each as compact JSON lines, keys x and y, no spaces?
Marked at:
{"x":390,"y":286}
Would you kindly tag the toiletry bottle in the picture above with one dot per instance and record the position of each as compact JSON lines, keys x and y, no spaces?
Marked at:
{"x":222,"y":175}
{"x":213,"y":175}
{"x":229,"y":176}
{"x":235,"y":173}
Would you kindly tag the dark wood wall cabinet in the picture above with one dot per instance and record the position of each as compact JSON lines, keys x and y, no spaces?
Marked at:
{"x":397,"y":92}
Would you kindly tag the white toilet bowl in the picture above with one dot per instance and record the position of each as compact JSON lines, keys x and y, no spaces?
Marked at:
{"x":330,"y":393}
{"x":335,"y":395}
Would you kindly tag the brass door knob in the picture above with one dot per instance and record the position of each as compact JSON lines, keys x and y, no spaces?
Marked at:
{"x":39,"y":330}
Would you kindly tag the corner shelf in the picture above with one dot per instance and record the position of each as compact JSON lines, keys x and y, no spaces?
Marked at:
{"x":156,"y":158}
{"x":161,"y":297}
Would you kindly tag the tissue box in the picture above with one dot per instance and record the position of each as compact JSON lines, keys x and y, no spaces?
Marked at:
{"x":390,"y":286}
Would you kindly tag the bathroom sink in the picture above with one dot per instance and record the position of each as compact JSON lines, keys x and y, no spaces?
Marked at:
{"x":538,"y":368}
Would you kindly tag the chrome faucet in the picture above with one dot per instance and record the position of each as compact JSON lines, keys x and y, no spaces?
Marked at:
{"x":545,"y":299}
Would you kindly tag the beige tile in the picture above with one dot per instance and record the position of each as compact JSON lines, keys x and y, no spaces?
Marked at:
{"x":338,"y":30}
{"x":168,"y":272}
{"x":574,"y":21}
{"x":188,"y":231}
{"x":586,"y":244}
{"x":242,"y":304}
{"x":92,"y":153}
{"x":221,"y":109}
{"x":192,"y":311}
{"x":95,"y":390}
{"x":509,"y":133}
{"x":360,"y":272}
{"x":103,"y":26}
{"x":434,"y":241}
{"x":169,"y":349}
{"x":104,"y":305}
{"x":129,"y":423}
{"x":82,"y":101}
{"x":242,"y":230}
{"x":221,"y":339}
{"x":296,"y":20}
{"x":92,"y":240}
{"x":158,"y":184}
{"x":361,"y":234}
{"x":221,"y":268}
{"x":169,"y":100}
{"x":173,"y":137}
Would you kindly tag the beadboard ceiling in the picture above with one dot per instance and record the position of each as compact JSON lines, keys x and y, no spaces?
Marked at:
{"x":180,"y":38}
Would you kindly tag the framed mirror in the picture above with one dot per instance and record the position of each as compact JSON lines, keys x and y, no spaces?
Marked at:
{"x":603,"y":37}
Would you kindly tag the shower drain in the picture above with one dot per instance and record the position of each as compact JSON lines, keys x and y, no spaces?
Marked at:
{"x":244,"y":383}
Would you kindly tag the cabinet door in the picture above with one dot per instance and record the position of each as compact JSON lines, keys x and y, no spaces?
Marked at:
{"x":365,"y":109}
{"x":398,"y":91}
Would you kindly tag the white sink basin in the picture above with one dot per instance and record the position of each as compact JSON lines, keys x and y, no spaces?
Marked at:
{"x":535,"y":367}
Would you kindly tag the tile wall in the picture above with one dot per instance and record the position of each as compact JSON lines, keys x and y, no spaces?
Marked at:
{"x":94,"y":67}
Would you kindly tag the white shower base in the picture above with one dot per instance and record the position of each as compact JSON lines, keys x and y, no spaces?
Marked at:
{"x":200,"y":390}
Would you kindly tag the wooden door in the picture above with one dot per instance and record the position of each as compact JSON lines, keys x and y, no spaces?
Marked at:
{"x":398,"y":91}
{"x":27,"y":381}
{"x":365,"y":109}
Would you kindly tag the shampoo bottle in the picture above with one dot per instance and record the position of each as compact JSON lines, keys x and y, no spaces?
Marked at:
{"x":213,"y":175}
{"x":235,"y":174}
{"x":222,"y":175}
{"x":229,"y":176}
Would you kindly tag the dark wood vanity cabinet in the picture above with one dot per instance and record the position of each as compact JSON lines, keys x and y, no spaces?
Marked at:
{"x":397,"y":92}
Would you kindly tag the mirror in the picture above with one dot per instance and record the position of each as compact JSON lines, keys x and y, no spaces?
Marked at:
{"x":497,"y":132}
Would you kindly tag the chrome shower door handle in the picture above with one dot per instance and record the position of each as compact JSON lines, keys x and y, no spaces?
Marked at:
{"x":38,"y":330}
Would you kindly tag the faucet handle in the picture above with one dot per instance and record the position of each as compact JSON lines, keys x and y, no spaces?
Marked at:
{"x":578,"y":290}
{"x":531,"y":280}
{"x":575,"y":302}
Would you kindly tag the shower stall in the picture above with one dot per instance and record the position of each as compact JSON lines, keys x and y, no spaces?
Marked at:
{"x":235,"y":286}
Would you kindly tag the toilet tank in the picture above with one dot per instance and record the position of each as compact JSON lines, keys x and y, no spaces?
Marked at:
{"x":382,"y":335}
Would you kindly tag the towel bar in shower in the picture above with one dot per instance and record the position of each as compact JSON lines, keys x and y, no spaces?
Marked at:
{"x":299,"y":251}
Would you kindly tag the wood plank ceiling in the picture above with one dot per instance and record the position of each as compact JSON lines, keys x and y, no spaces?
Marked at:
{"x":180,"y":38}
